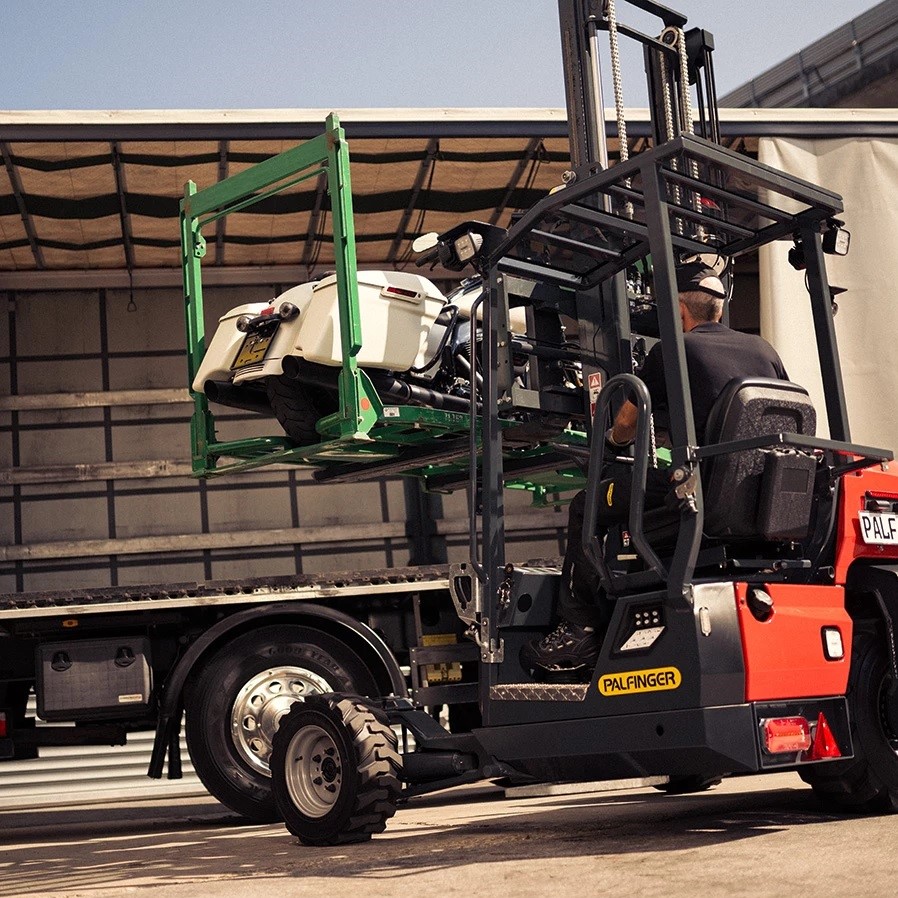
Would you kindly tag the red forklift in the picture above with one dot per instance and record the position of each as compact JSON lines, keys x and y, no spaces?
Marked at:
{"x":754,"y":617}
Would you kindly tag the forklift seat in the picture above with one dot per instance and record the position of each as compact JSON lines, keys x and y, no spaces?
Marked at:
{"x":759,"y":493}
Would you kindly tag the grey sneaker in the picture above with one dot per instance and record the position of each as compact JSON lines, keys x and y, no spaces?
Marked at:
{"x":568,"y":648}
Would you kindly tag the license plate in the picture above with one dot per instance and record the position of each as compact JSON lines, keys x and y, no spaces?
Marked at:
{"x":253,"y":349}
{"x":879,"y":529}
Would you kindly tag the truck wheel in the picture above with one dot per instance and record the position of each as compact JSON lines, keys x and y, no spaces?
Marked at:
{"x":298,"y":408}
{"x":336,"y":769}
{"x":869,"y":781}
{"x":237,"y":700}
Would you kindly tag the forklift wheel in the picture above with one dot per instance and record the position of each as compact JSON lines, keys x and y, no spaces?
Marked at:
{"x":335,"y":770}
{"x":869,"y":781}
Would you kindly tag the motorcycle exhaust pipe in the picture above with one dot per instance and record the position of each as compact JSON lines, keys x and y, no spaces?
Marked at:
{"x":387,"y":386}
{"x":310,"y":373}
{"x":405,"y":394}
{"x":225,"y":393}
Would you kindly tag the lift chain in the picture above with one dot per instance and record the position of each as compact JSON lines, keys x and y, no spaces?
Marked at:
{"x":618,"y":86}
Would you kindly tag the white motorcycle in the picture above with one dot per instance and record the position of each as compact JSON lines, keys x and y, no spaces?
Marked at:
{"x":283,"y":357}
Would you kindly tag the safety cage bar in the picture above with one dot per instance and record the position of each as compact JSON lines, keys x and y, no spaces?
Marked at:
{"x":688,"y":196}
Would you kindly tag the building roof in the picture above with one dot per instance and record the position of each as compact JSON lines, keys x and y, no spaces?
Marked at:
{"x":852,"y":66}
{"x":91,"y":198}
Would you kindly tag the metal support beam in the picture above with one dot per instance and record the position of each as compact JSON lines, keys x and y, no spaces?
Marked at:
{"x":121,"y":189}
{"x":533,"y":149}
{"x":98,"y":399}
{"x":153,"y":278}
{"x":310,"y":250}
{"x":220,"y":224}
{"x":19,"y":193}
{"x":425,"y":171}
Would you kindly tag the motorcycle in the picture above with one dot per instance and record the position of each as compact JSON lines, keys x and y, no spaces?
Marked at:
{"x":419,"y":347}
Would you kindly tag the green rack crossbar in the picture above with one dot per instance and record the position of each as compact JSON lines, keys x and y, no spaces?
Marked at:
{"x":408,"y":440}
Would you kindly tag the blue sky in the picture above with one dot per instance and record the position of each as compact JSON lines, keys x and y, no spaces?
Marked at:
{"x":138,"y":54}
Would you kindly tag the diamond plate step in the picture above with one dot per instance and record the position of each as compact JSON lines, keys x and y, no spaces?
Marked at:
{"x":539,"y":692}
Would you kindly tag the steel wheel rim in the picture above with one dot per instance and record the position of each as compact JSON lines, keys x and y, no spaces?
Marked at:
{"x":260,"y":705}
{"x":314,"y":771}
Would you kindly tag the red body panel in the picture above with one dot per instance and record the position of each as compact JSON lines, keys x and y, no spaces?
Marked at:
{"x":784,"y":654}
{"x":849,"y":545}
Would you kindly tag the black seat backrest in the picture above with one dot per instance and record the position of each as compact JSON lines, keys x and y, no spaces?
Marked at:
{"x":740,"y":499}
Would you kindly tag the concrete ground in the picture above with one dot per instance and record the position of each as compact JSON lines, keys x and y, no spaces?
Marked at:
{"x":758,"y":836}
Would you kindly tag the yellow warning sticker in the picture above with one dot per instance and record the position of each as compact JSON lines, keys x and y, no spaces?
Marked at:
{"x":633,"y":681}
{"x":609,"y":496}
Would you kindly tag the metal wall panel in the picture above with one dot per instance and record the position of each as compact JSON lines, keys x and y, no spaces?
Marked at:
{"x":94,"y":465}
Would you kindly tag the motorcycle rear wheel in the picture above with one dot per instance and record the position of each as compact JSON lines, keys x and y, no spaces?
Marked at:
{"x":299,"y":407}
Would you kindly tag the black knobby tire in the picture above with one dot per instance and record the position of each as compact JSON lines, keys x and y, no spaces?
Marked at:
{"x":298,"y":407}
{"x":688,"y":785}
{"x":236,"y":700}
{"x":869,"y":781}
{"x":336,"y":770}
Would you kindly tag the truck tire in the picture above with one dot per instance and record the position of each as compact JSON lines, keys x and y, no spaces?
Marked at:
{"x":336,"y":770}
{"x":237,"y":699}
{"x":298,"y":408}
{"x":869,"y":781}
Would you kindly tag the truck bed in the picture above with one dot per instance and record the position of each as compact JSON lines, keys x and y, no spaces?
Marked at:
{"x":290,"y":588}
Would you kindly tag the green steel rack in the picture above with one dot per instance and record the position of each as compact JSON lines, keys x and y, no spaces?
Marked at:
{"x":359,"y":439}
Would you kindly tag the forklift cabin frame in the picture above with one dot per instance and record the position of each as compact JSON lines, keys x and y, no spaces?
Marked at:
{"x":684,"y":197}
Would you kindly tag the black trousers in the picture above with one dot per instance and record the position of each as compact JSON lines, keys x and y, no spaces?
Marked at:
{"x":581,"y":600}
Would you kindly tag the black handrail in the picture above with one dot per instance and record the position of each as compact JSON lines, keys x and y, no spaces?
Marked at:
{"x":591,"y":543}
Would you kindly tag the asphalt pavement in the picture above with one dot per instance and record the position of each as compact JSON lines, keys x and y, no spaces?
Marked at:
{"x":755,"y":836}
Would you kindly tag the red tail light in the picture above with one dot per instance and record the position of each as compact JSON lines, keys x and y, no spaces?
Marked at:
{"x":825,"y":745}
{"x":3,"y":732}
{"x":786,"y":734}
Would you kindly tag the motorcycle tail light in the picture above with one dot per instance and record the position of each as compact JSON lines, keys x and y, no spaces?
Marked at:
{"x":400,"y":293}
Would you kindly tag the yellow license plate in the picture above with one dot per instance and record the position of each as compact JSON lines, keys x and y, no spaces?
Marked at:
{"x":253,"y":350}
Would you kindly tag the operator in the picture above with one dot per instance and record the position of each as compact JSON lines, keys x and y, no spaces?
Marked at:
{"x":715,"y":355}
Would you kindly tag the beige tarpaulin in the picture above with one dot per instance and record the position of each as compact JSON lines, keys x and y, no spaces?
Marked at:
{"x":865,"y":172}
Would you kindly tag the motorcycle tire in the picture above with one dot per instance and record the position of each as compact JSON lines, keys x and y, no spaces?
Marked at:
{"x":299,"y":407}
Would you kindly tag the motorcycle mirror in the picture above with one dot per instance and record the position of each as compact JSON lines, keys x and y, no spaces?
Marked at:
{"x":425,"y":242}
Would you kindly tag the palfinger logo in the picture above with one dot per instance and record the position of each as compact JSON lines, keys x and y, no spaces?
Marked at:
{"x":633,"y":681}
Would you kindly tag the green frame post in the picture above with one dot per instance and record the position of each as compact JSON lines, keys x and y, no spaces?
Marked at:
{"x":327,"y":154}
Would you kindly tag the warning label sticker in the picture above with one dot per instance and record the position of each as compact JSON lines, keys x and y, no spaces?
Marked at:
{"x":633,"y":681}
{"x":594,"y":384}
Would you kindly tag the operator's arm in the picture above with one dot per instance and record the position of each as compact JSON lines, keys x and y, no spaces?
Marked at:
{"x":623,"y":431}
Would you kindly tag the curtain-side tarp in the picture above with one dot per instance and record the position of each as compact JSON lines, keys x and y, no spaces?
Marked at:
{"x":865,"y":172}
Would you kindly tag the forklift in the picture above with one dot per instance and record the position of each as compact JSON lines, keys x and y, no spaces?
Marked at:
{"x":753,"y":624}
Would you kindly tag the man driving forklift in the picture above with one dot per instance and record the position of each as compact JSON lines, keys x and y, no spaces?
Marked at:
{"x":715,"y":355}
